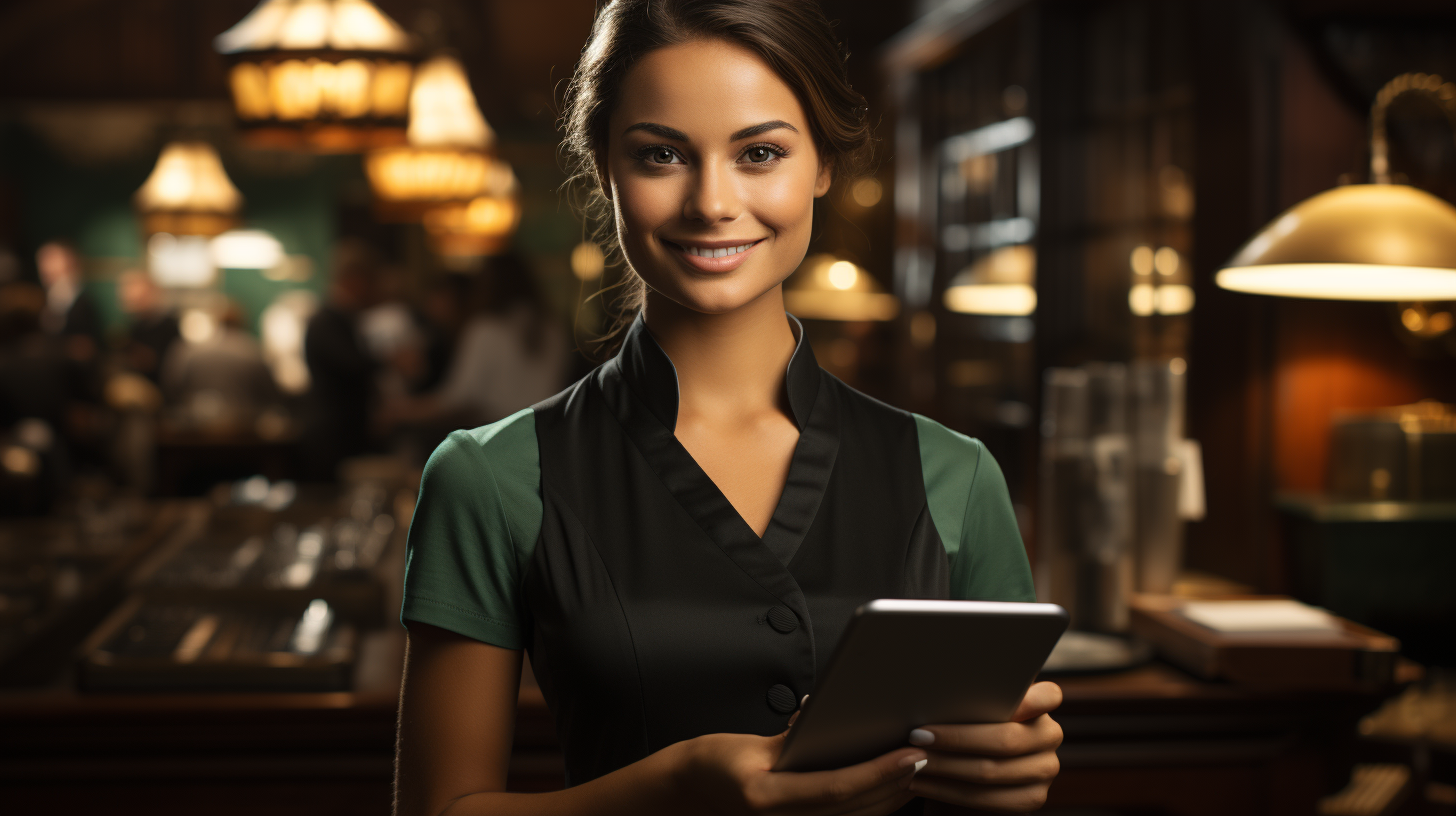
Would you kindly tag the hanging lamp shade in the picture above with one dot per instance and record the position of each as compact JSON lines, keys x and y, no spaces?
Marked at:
{"x":188,"y":193}
{"x":1001,"y":283}
{"x":480,"y":226}
{"x":828,"y":288}
{"x":1379,"y":241}
{"x":1359,"y":242}
{"x":448,"y":158}
{"x":327,"y":75}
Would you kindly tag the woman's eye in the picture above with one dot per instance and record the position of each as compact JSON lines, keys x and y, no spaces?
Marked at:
{"x":661,"y":155}
{"x":758,"y":155}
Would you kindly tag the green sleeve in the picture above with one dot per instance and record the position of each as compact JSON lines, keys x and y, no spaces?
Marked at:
{"x":972,"y":512}
{"x":475,"y":525}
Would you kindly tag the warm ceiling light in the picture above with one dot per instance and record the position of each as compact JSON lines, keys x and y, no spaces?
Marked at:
{"x":999,"y":299}
{"x":448,"y":158}
{"x":246,"y":249}
{"x":827,"y":288}
{"x":1377,"y":241}
{"x":588,"y":261}
{"x":188,"y":192}
{"x":1001,"y":283}
{"x":330,"y":75}
{"x":481,"y":226}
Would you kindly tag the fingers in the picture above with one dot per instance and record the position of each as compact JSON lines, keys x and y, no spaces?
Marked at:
{"x":993,"y":739}
{"x":1040,"y":768}
{"x":846,"y":790}
{"x":1041,"y":698}
{"x":1007,"y":798}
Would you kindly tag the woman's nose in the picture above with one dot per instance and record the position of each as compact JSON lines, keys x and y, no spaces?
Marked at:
{"x":713,"y":196}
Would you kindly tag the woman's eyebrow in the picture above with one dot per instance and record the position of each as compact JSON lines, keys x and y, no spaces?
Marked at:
{"x":658,"y":130}
{"x":755,"y":130}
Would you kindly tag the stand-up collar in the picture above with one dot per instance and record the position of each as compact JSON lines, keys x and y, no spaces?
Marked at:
{"x":653,"y":377}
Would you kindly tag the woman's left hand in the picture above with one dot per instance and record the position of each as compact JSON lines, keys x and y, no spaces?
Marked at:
{"x":1004,"y":767}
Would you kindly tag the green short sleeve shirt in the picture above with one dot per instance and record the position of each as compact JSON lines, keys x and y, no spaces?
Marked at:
{"x":479,"y":513}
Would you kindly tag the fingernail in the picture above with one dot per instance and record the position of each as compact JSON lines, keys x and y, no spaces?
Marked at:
{"x":921,"y":737}
{"x":921,"y":764}
{"x":918,"y":760}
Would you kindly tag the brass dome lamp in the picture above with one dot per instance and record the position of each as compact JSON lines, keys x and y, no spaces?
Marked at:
{"x":332,"y":76}
{"x":828,"y":288}
{"x":1379,"y":241}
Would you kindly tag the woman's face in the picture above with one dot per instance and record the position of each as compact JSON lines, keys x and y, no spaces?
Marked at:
{"x":712,"y":172}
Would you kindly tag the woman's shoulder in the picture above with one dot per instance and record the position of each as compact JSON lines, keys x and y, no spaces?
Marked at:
{"x":940,"y":443}
{"x":500,"y":451}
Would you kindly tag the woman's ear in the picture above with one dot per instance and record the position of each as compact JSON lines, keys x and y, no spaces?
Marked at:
{"x":825,"y":178}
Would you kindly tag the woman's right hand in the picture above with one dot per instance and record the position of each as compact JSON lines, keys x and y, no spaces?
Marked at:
{"x":731,"y":774}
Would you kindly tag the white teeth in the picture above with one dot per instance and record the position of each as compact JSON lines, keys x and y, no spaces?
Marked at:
{"x":723,"y":252}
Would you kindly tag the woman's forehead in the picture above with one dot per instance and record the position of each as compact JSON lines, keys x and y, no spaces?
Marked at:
{"x":707,"y":89}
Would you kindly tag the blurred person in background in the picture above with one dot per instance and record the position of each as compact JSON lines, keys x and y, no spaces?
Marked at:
{"x":342,"y":371}
{"x":152,"y":328}
{"x":69,"y":310}
{"x":37,"y":394}
{"x":217,"y":378}
{"x":442,"y":313}
{"x":512,"y":353}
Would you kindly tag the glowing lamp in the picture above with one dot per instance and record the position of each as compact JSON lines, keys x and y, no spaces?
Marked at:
{"x":827,"y":288}
{"x":481,"y":226}
{"x":188,"y":193}
{"x":1000,"y":284}
{"x":329,"y":75}
{"x":447,"y":158}
{"x":1379,"y":241}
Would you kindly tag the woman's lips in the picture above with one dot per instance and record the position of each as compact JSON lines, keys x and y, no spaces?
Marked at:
{"x":702,"y":263}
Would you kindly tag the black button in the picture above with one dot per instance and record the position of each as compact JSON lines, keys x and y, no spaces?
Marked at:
{"x":782,"y":699}
{"x":782,"y":620}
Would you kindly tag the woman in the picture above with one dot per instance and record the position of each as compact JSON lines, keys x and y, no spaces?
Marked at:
{"x":679,"y":538}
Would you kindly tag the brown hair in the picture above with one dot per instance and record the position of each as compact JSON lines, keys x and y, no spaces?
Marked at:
{"x":792,"y":36}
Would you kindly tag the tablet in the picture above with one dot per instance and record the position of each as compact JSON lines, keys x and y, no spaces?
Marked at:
{"x":904,"y":664}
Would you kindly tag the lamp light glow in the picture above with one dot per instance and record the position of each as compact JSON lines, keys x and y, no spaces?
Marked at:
{"x":828,"y":288}
{"x":448,"y":161}
{"x":999,"y":284}
{"x":1005,"y":299}
{"x":246,"y":249}
{"x":329,"y":75}
{"x":188,"y":192}
{"x":1379,"y":242}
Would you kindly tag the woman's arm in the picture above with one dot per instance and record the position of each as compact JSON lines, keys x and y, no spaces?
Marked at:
{"x":457,"y":709}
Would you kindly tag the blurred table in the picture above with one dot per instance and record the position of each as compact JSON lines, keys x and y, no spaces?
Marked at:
{"x":190,"y":461}
{"x":1156,"y":740}
{"x":1149,"y":741}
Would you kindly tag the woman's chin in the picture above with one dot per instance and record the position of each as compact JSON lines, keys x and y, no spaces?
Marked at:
{"x":718,"y":298}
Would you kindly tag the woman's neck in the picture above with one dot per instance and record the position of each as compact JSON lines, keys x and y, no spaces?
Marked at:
{"x":729,"y":366}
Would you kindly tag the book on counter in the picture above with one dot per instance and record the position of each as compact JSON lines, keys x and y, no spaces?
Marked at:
{"x":1264,"y":641}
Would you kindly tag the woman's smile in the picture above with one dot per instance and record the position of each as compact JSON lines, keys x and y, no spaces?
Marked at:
{"x":713,"y":256}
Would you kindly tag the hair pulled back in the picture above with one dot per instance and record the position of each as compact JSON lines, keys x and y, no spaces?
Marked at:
{"x":793,"y":37}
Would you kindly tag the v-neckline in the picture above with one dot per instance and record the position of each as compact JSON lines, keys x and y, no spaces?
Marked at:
{"x":641,"y":385}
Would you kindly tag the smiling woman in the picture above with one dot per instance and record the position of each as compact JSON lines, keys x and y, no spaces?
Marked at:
{"x":680,"y":538}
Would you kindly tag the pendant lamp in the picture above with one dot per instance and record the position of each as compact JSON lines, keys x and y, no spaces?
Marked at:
{"x":1377,"y":241}
{"x":828,"y":288}
{"x":448,"y":157}
{"x":331,"y":76}
{"x":1001,"y":283}
{"x":188,"y":193}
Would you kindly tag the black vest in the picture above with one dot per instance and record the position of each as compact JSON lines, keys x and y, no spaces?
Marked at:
{"x":656,"y":613}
